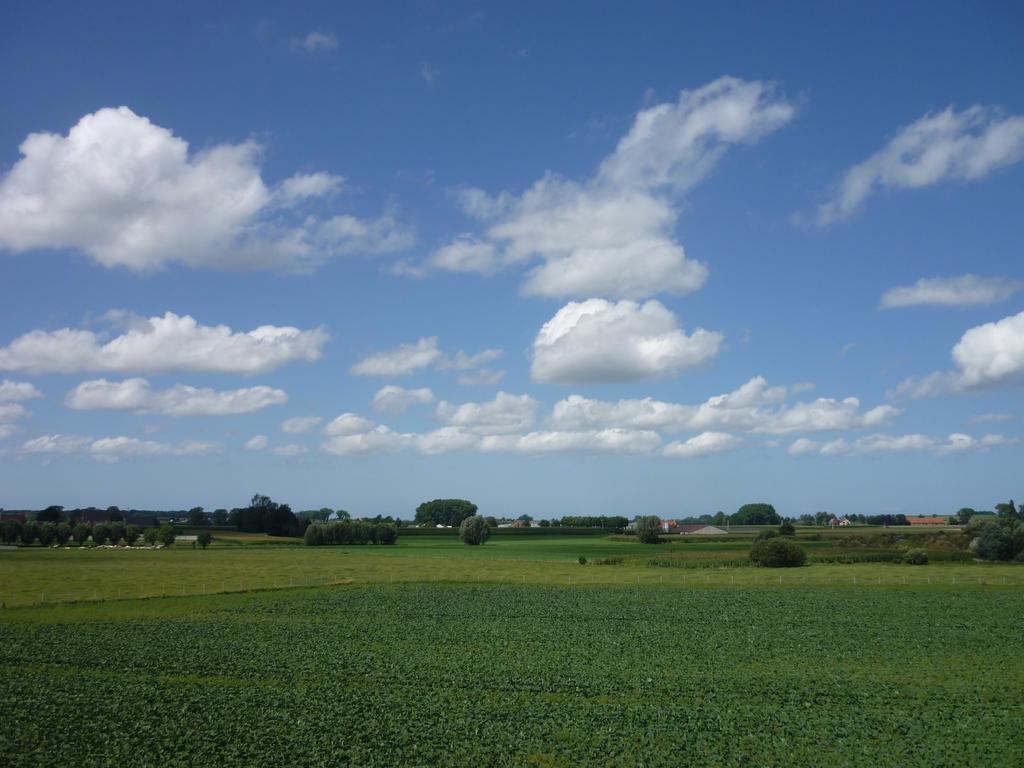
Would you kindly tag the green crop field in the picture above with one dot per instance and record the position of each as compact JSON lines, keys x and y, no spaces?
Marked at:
{"x":510,"y":675}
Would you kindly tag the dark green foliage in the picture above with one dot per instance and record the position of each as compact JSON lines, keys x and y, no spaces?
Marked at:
{"x":196,"y":516}
{"x":204,"y":538}
{"x":219,"y":517}
{"x":377,"y":676}
{"x":52,"y":514}
{"x":165,"y":535}
{"x":445,"y":512}
{"x":768,"y":533}
{"x":474,"y":530}
{"x":491,"y":522}
{"x":115,"y":515}
{"x":778,"y":553}
{"x":29,"y":533}
{"x":994,"y":543}
{"x":648,"y":529}
{"x":63,"y":533}
{"x":115,"y":532}
{"x":131,"y":534}
{"x":756,"y":514}
{"x":47,"y":533}
{"x":582,"y":560}
{"x":80,"y":533}
{"x":263,"y":515}
{"x":613,"y":522}
{"x":10,"y":531}
{"x":916,"y":556}
{"x":787,"y":529}
{"x":609,"y":561}
{"x":99,"y":534}
{"x":151,"y":536}
{"x":349,"y":532}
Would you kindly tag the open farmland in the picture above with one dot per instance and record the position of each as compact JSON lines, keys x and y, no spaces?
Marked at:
{"x":511,"y":675}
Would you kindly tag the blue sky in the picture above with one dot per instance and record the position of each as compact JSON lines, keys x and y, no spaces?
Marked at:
{"x":643,"y":259}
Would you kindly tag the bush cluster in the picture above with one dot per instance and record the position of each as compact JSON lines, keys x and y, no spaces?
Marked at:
{"x":474,"y":530}
{"x":916,"y":556}
{"x":777,"y":553}
{"x":350,"y":532}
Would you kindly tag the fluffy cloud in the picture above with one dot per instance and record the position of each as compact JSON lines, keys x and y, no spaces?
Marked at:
{"x":300,"y":424}
{"x":504,"y":414}
{"x":257,"y":443}
{"x":964,"y":291}
{"x":400,"y":361}
{"x":348,"y":424}
{"x":131,"y":194}
{"x":395,"y":400}
{"x":701,"y":445}
{"x":181,"y":400}
{"x":168,"y":343}
{"x":754,"y":407}
{"x":597,"y":340}
{"x":6,"y":430}
{"x":618,"y":441}
{"x":948,"y":146}
{"x":14,"y":391}
{"x":871,"y":444}
{"x":112,"y":449}
{"x":408,"y":358}
{"x":613,"y":234}
{"x":987,"y":356}
{"x":12,"y":411}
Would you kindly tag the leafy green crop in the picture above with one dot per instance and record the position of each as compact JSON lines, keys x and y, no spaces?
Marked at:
{"x":427,"y":675}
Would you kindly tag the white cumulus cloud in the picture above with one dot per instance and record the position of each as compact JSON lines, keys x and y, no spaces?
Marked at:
{"x":14,"y":391}
{"x":614,"y":233}
{"x":702,"y":445}
{"x":297,"y":425}
{"x":168,"y":343}
{"x":947,"y":146}
{"x":881,"y":444}
{"x":598,"y":340}
{"x":505,"y":413}
{"x":400,"y":361}
{"x":132,"y":194}
{"x":395,"y":400}
{"x":987,"y":356}
{"x":257,"y":443}
{"x":181,"y":400}
{"x":347,"y":424}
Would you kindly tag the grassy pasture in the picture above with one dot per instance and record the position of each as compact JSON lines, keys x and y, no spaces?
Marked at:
{"x":36,"y":575}
{"x":474,"y":675}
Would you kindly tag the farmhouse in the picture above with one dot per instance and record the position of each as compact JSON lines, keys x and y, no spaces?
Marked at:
{"x":699,"y":530}
{"x":669,"y":526}
{"x":928,"y":521}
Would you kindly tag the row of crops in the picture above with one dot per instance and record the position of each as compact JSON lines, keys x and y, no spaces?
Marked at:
{"x":506,"y":675}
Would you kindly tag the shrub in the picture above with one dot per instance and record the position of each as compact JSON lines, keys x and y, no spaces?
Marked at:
{"x":99,"y":534}
{"x":10,"y":531}
{"x":474,"y":530}
{"x":80,"y":533}
{"x":916,"y":557}
{"x":609,"y":561}
{"x":63,"y":533}
{"x":349,"y":532}
{"x":131,"y":534}
{"x":787,"y":529}
{"x":29,"y":533}
{"x":115,"y":532}
{"x":47,"y":533}
{"x":204,"y":539}
{"x":150,"y":536}
{"x":583,"y":560}
{"x":766,"y":534}
{"x":994,"y":543}
{"x":165,"y":535}
{"x":776,"y":553}
{"x":648,"y":529}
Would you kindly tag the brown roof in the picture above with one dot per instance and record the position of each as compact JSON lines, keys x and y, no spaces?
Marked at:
{"x":927,"y":520}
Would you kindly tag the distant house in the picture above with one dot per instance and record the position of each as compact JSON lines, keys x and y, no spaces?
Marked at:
{"x":839,"y":521}
{"x":699,"y":530}
{"x":844,"y":522}
{"x":928,"y":520}
{"x":669,"y":526}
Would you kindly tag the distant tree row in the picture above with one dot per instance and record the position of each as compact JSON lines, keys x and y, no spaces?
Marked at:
{"x":615,"y":522}
{"x":350,"y":532}
{"x":47,"y":534}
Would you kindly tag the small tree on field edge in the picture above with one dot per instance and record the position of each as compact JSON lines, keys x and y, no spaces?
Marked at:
{"x":474,"y":530}
{"x":648,"y":529}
